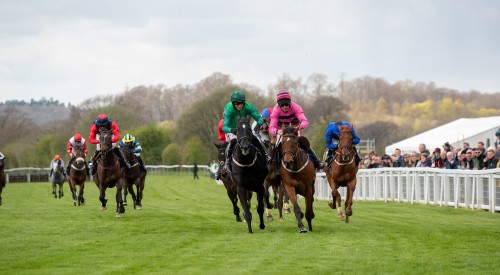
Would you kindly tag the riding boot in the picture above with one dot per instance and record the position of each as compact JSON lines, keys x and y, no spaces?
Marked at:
{"x":357,"y":158}
{"x":317,"y":163}
{"x":94,"y":159}
{"x":330,"y":156}
{"x":229,"y":155}
{"x":69,"y":165}
{"x":87,"y":169}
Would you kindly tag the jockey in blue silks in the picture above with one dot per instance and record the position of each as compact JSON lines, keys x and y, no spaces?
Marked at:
{"x":332,"y":133}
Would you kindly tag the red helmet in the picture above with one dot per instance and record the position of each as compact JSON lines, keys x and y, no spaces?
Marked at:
{"x":57,"y":157}
{"x":78,"y":137}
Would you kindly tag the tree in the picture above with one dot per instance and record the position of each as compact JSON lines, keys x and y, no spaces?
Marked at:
{"x":171,"y":154}
{"x":153,"y":141}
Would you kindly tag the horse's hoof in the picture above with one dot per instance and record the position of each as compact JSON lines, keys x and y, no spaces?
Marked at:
{"x":238,"y":219}
{"x":103,"y":207}
{"x":139,"y":207}
{"x":270,"y":218}
{"x":74,"y":203}
{"x":281,"y":219}
{"x":332,"y":205}
{"x":125,"y":203}
{"x":118,"y":215}
{"x":262,"y":226}
{"x":302,"y":230}
{"x":348,"y":213}
{"x":286,"y":210}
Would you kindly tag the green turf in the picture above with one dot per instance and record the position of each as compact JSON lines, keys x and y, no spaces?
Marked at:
{"x":187,"y":227}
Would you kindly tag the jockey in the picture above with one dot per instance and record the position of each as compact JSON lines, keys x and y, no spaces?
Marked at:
{"x":103,"y":122}
{"x":238,"y":107}
{"x":60,"y":163}
{"x":286,"y":112}
{"x":76,"y":142}
{"x":263,"y":134}
{"x":223,"y":137}
{"x":332,"y":132}
{"x":131,"y":141}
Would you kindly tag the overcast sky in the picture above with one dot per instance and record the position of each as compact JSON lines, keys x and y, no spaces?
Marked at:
{"x":74,"y":50}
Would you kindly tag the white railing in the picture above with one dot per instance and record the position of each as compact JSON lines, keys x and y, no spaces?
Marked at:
{"x":458,"y":188}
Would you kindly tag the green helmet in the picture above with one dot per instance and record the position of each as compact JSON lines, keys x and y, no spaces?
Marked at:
{"x":237,"y":96}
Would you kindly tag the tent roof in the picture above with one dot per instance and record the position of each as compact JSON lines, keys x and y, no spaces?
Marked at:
{"x":454,"y":132}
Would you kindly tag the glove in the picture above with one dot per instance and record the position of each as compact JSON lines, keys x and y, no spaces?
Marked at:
{"x":256,"y":129}
{"x":233,"y":131}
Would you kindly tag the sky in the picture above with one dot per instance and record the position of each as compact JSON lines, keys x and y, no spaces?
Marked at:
{"x":74,"y":50}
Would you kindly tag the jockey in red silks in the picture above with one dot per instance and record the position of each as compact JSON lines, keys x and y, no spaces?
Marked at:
{"x":76,"y":142}
{"x":286,"y":112}
{"x":103,"y":122}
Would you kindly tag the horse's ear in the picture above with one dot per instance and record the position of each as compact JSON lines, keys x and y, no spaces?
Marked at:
{"x":352,"y":127}
{"x":296,"y":131}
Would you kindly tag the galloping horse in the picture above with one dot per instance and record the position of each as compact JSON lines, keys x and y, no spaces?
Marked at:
{"x":342,"y":172}
{"x":273,"y":180}
{"x":131,"y":177}
{"x":298,"y":174}
{"x":108,"y":173}
{"x":232,"y":193}
{"x":248,"y":171}
{"x":58,"y":178}
{"x":78,"y":176}
{"x":2,"y":176}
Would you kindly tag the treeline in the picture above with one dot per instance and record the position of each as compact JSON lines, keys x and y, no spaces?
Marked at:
{"x":178,"y":124}
{"x":42,"y":102}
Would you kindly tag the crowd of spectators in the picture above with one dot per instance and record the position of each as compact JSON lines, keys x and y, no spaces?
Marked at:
{"x":447,"y":157}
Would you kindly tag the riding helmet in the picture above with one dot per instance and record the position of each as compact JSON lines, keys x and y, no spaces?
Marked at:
{"x":128,"y":138}
{"x":283,"y":97}
{"x":102,"y":120}
{"x":78,"y":137}
{"x":237,"y":96}
{"x":57,"y":157}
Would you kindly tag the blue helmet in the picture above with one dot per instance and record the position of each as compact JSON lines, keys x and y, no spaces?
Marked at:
{"x":102,"y":120}
{"x":265,"y":113}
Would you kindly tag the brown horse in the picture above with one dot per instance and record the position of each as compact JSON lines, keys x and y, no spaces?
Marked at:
{"x":342,"y":172}
{"x":273,"y":179}
{"x":133,"y":177}
{"x":78,"y":176}
{"x":108,"y":173}
{"x":232,"y":193}
{"x":298,"y":174}
{"x":2,"y":175}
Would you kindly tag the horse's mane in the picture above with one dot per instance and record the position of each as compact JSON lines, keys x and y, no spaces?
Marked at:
{"x":289,"y":130}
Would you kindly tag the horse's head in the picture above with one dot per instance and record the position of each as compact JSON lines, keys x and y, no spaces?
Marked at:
{"x":244,"y":135}
{"x":290,"y":143}
{"x":221,"y":155}
{"x":345,"y":143}
{"x":105,"y":141}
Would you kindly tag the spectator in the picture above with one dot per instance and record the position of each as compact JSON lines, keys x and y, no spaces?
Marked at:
{"x":423,"y":149}
{"x":461,"y":159}
{"x":491,"y":160}
{"x":480,"y":157}
{"x":406,"y":160}
{"x":424,"y":161}
{"x":195,"y":171}
{"x":376,"y":162}
{"x":398,"y":158}
{"x":470,"y":162}
{"x":466,"y":146}
{"x":414,"y":158}
{"x":386,"y":161}
{"x":497,"y":141}
{"x":447,"y":147}
{"x":437,"y":160}
{"x":451,"y":162}
{"x":480,"y":146}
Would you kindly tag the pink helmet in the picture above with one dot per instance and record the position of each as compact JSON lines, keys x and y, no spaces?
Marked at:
{"x":283,"y":95}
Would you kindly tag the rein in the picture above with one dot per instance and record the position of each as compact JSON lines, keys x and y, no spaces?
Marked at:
{"x":294,"y":155}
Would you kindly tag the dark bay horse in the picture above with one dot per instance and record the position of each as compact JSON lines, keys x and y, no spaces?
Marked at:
{"x":109,"y":173}
{"x":298,"y":174}
{"x":248,"y":171}
{"x":78,"y":176}
{"x":342,"y":172}
{"x":2,"y":175}
{"x":273,"y":180}
{"x":58,"y":179}
{"x":232,"y":193}
{"x":133,"y":177}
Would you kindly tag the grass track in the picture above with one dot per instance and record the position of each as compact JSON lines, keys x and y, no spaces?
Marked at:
{"x":187,"y":227}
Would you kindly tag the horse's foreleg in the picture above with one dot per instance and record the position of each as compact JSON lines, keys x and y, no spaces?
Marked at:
{"x":260,"y":208}
{"x":268,"y":204}
{"x":80,"y":194}
{"x":351,"y":187}
{"x":290,"y":190}
{"x":281,"y":191}
{"x":102,"y":197}
{"x":309,"y":207}
{"x":247,"y":215}
{"x":119,"y":199}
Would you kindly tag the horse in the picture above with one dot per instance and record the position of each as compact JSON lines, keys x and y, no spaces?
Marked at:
{"x":133,"y":176}
{"x":248,"y":170}
{"x":2,"y":176}
{"x":342,"y":172}
{"x":298,"y":174}
{"x":58,"y":178}
{"x":232,"y":193}
{"x":108,"y":173}
{"x":273,"y":180}
{"x":78,"y":176}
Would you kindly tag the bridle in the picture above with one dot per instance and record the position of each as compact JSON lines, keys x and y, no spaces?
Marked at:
{"x":347,"y":158}
{"x":244,"y":143}
{"x":292,"y":153}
